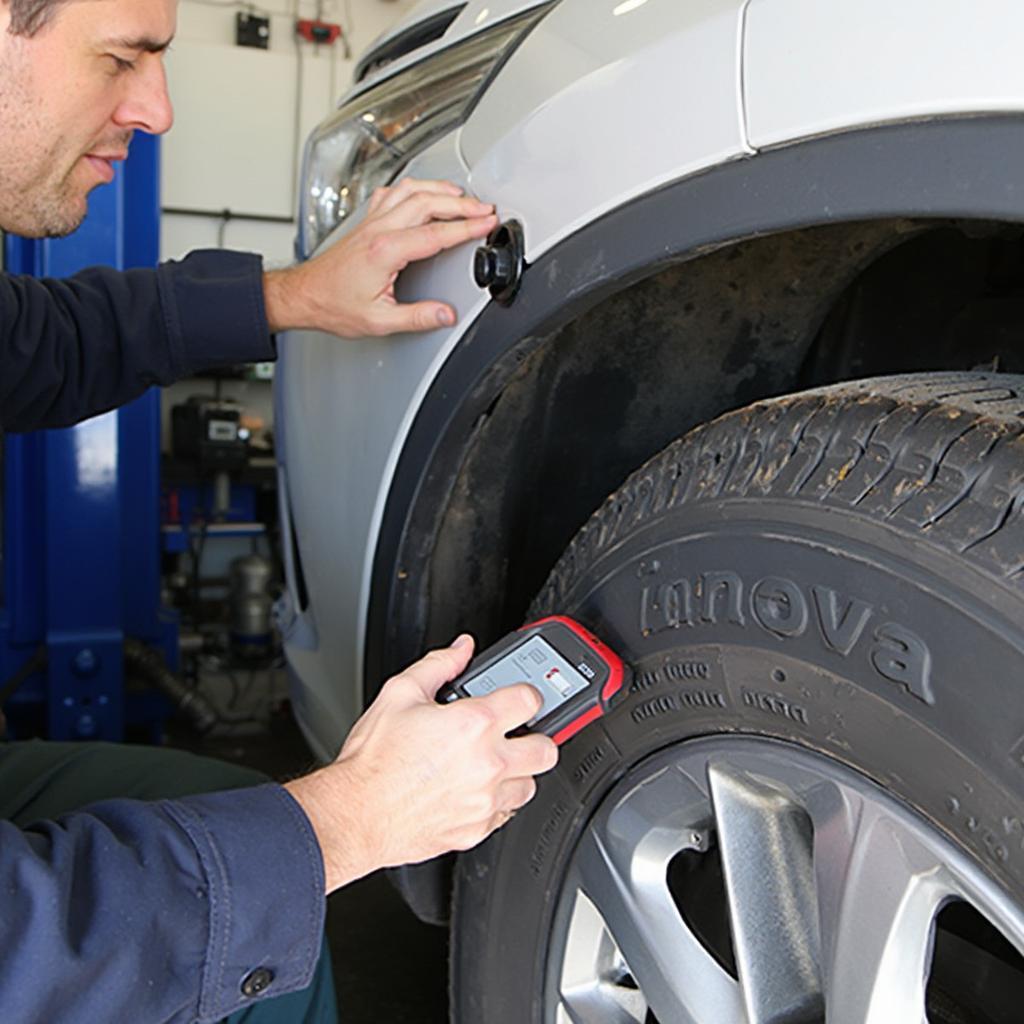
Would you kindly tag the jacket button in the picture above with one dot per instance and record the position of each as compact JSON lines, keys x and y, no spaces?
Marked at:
{"x":257,"y":981}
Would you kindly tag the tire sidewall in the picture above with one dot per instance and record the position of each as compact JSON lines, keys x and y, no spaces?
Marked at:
{"x":830,"y":629}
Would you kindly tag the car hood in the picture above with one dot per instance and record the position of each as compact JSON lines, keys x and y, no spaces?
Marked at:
{"x":452,"y":20}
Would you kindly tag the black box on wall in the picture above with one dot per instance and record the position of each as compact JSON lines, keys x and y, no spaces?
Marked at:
{"x":252,"y":30}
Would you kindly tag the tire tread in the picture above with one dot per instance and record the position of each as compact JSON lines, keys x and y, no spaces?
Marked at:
{"x":940,"y":454}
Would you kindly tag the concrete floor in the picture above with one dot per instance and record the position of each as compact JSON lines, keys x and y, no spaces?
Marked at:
{"x":388,"y":966}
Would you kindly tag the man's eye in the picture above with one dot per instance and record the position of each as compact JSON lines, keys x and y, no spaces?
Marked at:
{"x":120,"y":63}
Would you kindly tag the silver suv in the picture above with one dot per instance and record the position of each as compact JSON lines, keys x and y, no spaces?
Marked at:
{"x":733,"y":384}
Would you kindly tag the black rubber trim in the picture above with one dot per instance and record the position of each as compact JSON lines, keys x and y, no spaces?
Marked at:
{"x":961,"y":168}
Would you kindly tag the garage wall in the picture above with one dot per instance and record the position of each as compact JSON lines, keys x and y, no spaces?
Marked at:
{"x":243,"y":113}
{"x":241,"y":116}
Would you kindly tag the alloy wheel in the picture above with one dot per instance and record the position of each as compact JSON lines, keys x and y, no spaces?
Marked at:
{"x":734,"y":879}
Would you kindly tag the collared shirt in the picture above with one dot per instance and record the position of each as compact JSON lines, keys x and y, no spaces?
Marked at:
{"x":172,"y":911}
{"x":176,"y":910}
{"x":74,"y":347}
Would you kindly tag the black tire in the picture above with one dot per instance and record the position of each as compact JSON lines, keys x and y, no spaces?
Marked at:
{"x":842,"y":569}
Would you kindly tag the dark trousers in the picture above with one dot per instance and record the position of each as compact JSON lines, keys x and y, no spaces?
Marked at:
{"x":45,"y":780}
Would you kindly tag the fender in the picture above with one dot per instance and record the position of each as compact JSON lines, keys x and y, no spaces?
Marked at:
{"x":811,"y":68}
{"x":959,"y":168}
{"x":650,"y":91}
{"x":601,"y":103}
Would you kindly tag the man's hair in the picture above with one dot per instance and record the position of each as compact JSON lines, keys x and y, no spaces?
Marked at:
{"x":29,"y":16}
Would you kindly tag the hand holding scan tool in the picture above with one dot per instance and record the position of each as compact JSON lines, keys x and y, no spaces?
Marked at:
{"x":575,"y":673}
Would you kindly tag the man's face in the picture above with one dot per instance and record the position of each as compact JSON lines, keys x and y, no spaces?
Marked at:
{"x":70,"y":98}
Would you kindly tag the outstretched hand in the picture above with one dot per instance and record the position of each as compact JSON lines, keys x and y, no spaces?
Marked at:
{"x":416,"y":779}
{"x":349,"y":288}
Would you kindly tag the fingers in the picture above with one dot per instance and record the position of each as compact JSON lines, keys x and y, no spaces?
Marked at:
{"x":411,"y":221}
{"x":420,"y":243}
{"x":513,"y":795}
{"x":512,"y":706}
{"x":398,"y":249}
{"x":438,"y":667}
{"x":423,"y":208}
{"x":384,"y":199}
{"x":348,"y":289}
{"x":516,"y":793}
{"x":530,"y":755}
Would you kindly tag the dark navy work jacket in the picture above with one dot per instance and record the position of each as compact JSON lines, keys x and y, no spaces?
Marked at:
{"x":129,"y":911}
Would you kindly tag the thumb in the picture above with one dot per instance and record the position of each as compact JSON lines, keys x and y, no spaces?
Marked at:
{"x":441,"y":666}
{"x":414,"y":316}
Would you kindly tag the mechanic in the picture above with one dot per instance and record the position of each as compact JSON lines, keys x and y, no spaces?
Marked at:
{"x":193,"y":890}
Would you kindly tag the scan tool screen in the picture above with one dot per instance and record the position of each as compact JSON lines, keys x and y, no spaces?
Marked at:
{"x":537,"y":663}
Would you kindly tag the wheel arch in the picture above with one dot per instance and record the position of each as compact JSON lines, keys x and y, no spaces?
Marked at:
{"x":819,"y":209}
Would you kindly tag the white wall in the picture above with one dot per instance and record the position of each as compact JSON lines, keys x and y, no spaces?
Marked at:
{"x":243,"y":113}
{"x":236,"y":140}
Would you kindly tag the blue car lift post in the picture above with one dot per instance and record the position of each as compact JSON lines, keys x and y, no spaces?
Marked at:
{"x":81,"y":511}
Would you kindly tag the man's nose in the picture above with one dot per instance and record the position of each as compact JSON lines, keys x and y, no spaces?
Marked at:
{"x":146,"y":103}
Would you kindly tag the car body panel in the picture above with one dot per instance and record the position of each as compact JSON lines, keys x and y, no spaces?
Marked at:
{"x":578,"y":76}
{"x":346,"y":405}
{"x":812,"y":68}
{"x":940,"y":168}
{"x":545,"y":143}
{"x":361,"y":396}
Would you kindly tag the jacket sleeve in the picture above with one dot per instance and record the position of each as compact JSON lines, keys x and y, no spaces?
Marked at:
{"x":160,"y":911}
{"x":75,"y":347}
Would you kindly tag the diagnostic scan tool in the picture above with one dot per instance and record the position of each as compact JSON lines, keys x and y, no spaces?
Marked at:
{"x":576,"y":674}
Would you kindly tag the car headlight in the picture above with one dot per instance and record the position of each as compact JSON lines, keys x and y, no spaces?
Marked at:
{"x":366,"y":142}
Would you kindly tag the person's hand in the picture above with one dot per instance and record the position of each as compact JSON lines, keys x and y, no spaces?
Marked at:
{"x":349,"y":289}
{"x":416,"y":779}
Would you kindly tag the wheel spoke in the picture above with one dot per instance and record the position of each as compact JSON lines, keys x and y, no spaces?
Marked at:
{"x":766,"y":846}
{"x":593,"y":974}
{"x":623,"y":868}
{"x":567,"y":1015}
{"x":600,"y":1007}
{"x":880,"y":891}
{"x":594,"y":1008}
